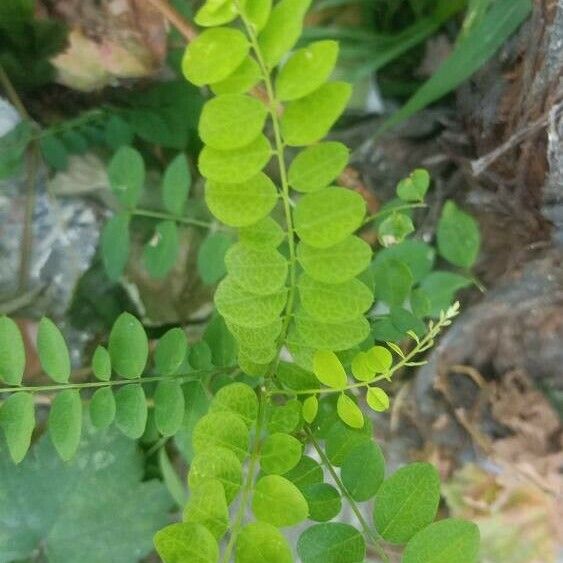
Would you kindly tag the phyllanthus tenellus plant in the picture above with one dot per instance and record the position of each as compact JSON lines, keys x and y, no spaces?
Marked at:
{"x":279,"y":442}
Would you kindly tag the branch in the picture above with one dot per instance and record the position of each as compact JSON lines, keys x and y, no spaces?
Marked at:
{"x":175,"y":18}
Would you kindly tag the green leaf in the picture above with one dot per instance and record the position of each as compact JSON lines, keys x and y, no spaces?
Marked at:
{"x":170,"y":351}
{"x":341,"y":439}
{"x":415,"y":186}
{"x":101,"y":364}
{"x":329,"y":370}
{"x":231,"y":121}
{"x":260,"y":542}
{"x":306,"y":70}
{"x":53,"y":353}
{"x":168,"y":407}
{"x":375,"y":360}
{"x":241,"y":205}
{"x":324,"y":501}
{"x":406,"y":502}
{"x":215,"y":12}
{"x":258,"y":12}
{"x":246,"y":309}
{"x":306,"y":472}
{"x":17,"y":419}
{"x":280,"y":453}
{"x":237,"y":398}
{"x":254,"y":337}
{"x":331,"y":542}
{"x":161,"y":251}
{"x":417,"y":255}
{"x":65,"y":422}
{"x":221,"y":429}
{"x":441,"y":288}
{"x":327,"y":217}
{"x":285,"y":418}
{"x":469,"y":55}
{"x":309,"y":119}
{"x":58,"y":505}
{"x":363,"y":471}
{"x":279,"y":502}
{"x":102,"y":407}
{"x":126,"y":173}
{"x":334,"y":303}
{"x":349,"y":412}
{"x":235,"y":166}
{"x":377,"y":399}
{"x":197,"y":403}
{"x":115,"y":245}
{"x":394,"y":229}
{"x":335,"y":264}
{"x":213,"y":55}
{"x":257,"y":270}
{"x":317,"y":166}
{"x":446,"y":541}
{"x":282,"y":30}
{"x":131,"y":411}
{"x":117,"y":132}
{"x":245,"y":77}
{"x":221,"y":342}
{"x":128,"y":346}
{"x":310,"y":408}
{"x":420,"y":303}
{"x":12,"y":352}
{"x":176,"y":185}
{"x":458,"y":236}
{"x":217,"y":463}
{"x":295,"y":377}
{"x":208,"y":506}
{"x":211,"y":257}
{"x":393,"y":281}
{"x":330,"y":336}
{"x":54,"y":152}
{"x":267,"y":232}
{"x":186,"y":541}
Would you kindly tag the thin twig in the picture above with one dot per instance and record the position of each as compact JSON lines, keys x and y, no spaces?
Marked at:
{"x":12,"y":94}
{"x":175,"y":18}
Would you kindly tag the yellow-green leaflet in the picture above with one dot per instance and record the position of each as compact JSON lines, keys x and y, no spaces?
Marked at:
{"x":317,"y":166}
{"x":258,"y":270}
{"x":208,"y":506}
{"x":329,"y":370}
{"x":334,"y":302}
{"x":328,"y":216}
{"x":260,"y":542}
{"x":349,"y":412}
{"x":306,"y":70}
{"x":186,"y":541}
{"x":216,"y":12}
{"x":243,"y":204}
{"x":307,"y":120}
{"x":377,"y":399}
{"x":231,"y":121}
{"x":310,"y":408}
{"x":241,"y":80}
{"x":235,"y":166}
{"x":266,"y":232}
{"x":214,"y":55}
{"x":335,"y":264}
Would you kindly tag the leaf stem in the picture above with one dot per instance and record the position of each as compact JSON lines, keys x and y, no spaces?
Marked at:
{"x":167,"y":216}
{"x":194,"y":375}
{"x":368,"y":531}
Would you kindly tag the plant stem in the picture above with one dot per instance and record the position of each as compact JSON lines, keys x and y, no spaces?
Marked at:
{"x":248,"y":485}
{"x":385,"y":212}
{"x":368,"y":531}
{"x":195,"y":375}
{"x":12,"y":94}
{"x":175,"y":18}
{"x":167,"y":216}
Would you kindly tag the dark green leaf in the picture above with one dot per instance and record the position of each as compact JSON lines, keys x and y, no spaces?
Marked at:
{"x":331,"y":543}
{"x":126,"y":172}
{"x":54,"y":152}
{"x":323,"y":500}
{"x":115,"y":245}
{"x":363,"y":470}
{"x":170,"y":351}
{"x":161,"y":250}
{"x":168,"y":407}
{"x":211,"y":257}
{"x":176,"y":185}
